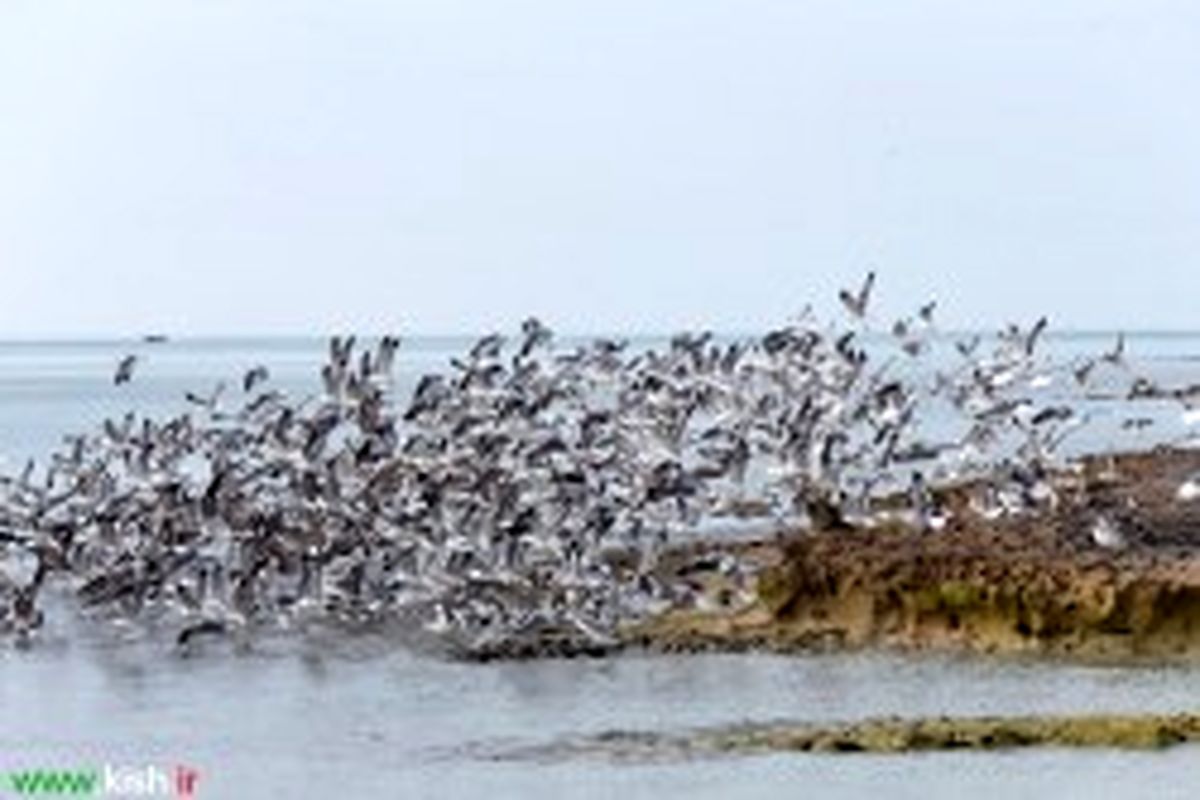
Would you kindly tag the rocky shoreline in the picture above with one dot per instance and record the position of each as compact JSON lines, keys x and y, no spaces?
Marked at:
{"x":1036,"y":584}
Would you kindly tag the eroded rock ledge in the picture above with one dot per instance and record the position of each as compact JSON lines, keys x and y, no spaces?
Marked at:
{"x":1029,"y":585}
{"x":882,"y":735}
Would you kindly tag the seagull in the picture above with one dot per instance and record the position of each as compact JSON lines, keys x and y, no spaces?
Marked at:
{"x":967,"y":347}
{"x":1117,"y":354}
{"x":856,"y":304}
{"x":124,"y":371}
{"x":1034,"y":333}
{"x":1083,"y":371}
{"x":910,"y":344}
{"x":207,"y":627}
{"x":254,"y":377}
{"x":1190,"y":416}
{"x":1189,"y":490}
{"x":926,"y":312}
{"x":1106,"y":533}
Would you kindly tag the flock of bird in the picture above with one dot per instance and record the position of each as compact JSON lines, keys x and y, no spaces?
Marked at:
{"x":529,"y":489}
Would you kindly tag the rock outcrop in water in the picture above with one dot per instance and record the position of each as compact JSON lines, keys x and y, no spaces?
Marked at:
{"x":1038,"y":584}
{"x":884,"y":735}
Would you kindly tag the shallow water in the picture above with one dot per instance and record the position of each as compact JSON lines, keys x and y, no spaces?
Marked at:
{"x":364,"y":719}
{"x":319,"y":721}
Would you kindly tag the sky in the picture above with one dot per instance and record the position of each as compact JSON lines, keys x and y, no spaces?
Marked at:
{"x":221,"y":167}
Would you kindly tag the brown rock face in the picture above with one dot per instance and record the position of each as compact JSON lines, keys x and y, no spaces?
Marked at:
{"x":1034,"y":584}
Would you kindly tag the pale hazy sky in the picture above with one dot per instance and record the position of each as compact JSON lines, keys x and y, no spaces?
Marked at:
{"x":229,"y":166}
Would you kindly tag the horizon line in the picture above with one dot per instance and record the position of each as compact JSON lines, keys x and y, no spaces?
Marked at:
{"x":166,"y":337}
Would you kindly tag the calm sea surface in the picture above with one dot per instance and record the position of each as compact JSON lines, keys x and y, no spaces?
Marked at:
{"x":368,"y":718}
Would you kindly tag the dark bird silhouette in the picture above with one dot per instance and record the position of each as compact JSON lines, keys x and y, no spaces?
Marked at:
{"x":124,"y":371}
{"x":254,"y":377}
{"x":856,"y":304}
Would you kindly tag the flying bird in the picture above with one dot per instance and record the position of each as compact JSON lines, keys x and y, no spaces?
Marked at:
{"x":967,"y":347}
{"x":856,"y":304}
{"x":1117,"y":354}
{"x":124,"y":371}
{"x":254,"y":377}
{"x":1083,"y":371}
{"x":1031,"y":340}
{"x":926,"y":312}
